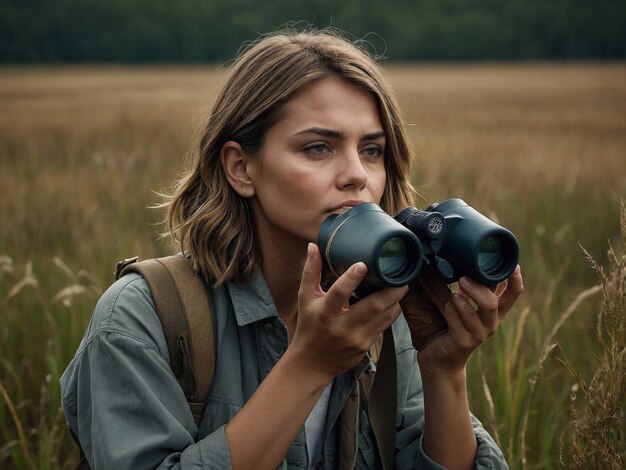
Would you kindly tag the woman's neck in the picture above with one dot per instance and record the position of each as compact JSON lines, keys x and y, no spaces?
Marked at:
{"x":282,"y":270}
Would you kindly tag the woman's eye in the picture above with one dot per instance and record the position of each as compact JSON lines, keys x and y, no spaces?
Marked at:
{"x":317,"y":149}
{"x":374,"y":151}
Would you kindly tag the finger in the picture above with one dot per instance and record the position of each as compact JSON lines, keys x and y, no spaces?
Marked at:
{"x":514,"y":288}
{"x":486,"y":301}
{"x":384,"y":320}
{"x":340,"y":292}
{"x":456,"y":328}
{"x":379,"y":309}
{"x":471,"y":319}
{"x":311,"y":274}
{"x":452,"y":316}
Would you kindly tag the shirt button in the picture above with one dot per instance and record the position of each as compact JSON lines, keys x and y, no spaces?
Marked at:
{"x":268,"y":326}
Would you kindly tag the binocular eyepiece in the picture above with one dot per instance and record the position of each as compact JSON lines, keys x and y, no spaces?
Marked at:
{"x":451,"y":237}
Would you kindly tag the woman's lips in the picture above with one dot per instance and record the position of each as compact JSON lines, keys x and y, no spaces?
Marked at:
{"x":345,"y":206}
{"x":342,"y":210}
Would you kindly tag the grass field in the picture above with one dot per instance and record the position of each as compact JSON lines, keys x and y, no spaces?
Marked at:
{"x":539,"y":147}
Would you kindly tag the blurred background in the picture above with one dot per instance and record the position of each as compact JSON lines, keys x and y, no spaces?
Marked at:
{"x":157,"y":31}
{"x":518,"y":107}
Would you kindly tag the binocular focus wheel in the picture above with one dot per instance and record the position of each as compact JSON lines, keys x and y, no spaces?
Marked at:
{"x":435,"y":225}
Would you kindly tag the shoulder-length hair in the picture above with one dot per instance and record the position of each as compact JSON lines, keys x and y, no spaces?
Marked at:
{"x":205,"y":215}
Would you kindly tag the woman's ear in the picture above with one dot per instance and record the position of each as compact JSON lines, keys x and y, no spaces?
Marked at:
{"x":236,"y":164}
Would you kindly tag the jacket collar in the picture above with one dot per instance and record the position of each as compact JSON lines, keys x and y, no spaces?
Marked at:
{"x":252,"y":300}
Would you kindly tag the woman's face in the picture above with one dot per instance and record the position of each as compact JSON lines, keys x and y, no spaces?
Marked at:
{"x":325,"y":154}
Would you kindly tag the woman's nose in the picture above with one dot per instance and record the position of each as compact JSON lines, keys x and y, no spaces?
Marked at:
{"x":351,"y":172}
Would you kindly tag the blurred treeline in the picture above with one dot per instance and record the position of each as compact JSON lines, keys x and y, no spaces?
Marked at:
{"x":213,"y":30}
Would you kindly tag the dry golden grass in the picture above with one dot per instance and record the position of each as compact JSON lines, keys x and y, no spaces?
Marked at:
{"x":539,"y":147}
{"x":598,"y":424}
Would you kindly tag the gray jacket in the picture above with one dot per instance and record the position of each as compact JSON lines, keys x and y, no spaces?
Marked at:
{"x":123,"y":402}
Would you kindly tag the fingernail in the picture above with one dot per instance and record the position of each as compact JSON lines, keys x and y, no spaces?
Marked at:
{"x":310,"y":250}
{"x":465,"y":282}
{"x":360,"y":268}
{"x":456,"y":298}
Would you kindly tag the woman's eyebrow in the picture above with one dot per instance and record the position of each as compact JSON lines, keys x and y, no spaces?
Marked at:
{"x":374,"y":135}
{"x":322,"y":131}
{"x":339,"y":134}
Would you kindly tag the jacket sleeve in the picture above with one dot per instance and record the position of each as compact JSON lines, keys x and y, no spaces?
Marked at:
{"x":410,"y":415}
{"x":121,"y":398}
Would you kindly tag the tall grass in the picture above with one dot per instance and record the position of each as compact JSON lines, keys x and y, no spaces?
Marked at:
{"x":38,"y":337}
{"x":539,"y":147}
{"x":598,"y":433}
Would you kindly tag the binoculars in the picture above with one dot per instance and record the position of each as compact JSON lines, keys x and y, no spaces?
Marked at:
{"x":451,"y":237}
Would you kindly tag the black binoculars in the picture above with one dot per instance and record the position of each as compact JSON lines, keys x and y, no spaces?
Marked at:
{"x":451,"y":237}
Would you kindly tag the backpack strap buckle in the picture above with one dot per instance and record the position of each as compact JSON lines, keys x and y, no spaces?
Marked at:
{"x":119,"y":267}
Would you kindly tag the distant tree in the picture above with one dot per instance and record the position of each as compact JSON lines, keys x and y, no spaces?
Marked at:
{"x":213,"y":30}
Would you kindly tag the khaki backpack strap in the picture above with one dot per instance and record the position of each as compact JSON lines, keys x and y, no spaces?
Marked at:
{"x":349,"y":429}
{"x":382,"y":402}
{"x":184,"y":305}
{"x":377,"y":391}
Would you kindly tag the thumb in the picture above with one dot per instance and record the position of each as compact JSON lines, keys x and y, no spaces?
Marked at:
{"x":312,"y":273}
{"x":340,"y":292}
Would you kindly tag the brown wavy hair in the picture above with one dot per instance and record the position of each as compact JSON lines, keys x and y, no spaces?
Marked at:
{"x":205,"y":215}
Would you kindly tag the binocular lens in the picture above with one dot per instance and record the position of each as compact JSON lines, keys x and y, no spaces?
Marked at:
{"x":490,"y":255}
{"x":393,"y":257}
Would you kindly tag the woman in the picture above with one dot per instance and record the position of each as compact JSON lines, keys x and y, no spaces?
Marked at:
{"x":305,"y":127}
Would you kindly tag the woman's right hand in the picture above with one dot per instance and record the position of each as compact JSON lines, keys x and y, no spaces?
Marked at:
{"x":332,"y":336}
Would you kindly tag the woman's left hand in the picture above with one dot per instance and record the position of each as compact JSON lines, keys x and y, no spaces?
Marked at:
{"x":469,"y":326}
